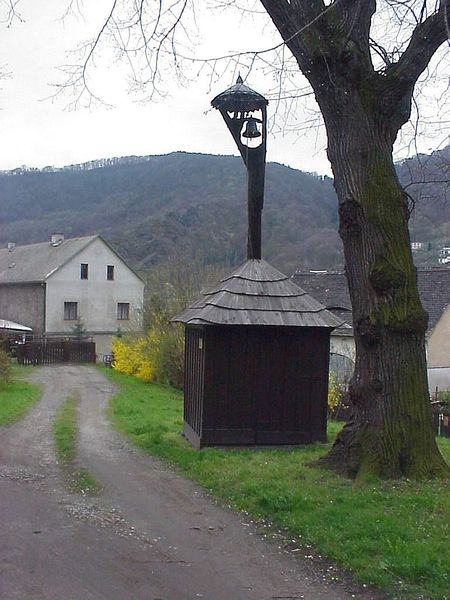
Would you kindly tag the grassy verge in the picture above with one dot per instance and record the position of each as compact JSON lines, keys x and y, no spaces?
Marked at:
{"x":390,"y":534}
{"x":17,"y":396}
{"x":65,"y":433}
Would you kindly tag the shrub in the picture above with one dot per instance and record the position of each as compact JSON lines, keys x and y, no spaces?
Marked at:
{"x":444,"y":398}
{"x":5,"y":366}
{"x":337,"y":396}
{"x":131,"y":356}
{"x":158,"y":355}
{"x":169,"y":357}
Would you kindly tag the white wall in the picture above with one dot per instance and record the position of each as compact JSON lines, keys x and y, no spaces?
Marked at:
{"x":438,"y":346}
{"x":343,"y":345}
{"x":438,"y":352}
{"x":439,"y":378}
{"x":97,"y":297}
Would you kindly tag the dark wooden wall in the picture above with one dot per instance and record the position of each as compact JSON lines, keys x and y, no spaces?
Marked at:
{"x":194,"y":368}
{"x":261,"y":385}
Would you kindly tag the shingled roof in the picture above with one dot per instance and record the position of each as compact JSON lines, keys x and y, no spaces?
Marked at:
{"x":36,"y":262}
{"x":331,"y":289}
{"x":258,"y":294}
{"x":434,"y":290}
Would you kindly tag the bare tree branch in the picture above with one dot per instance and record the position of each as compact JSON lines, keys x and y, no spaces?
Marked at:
{"x":11,"y":13}
{"x":425,"y":40}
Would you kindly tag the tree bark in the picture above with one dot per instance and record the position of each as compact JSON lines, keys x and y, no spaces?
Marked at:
{"x":390,"y":433}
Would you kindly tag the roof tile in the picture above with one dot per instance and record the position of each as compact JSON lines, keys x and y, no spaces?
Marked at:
{"x":36,"y":262}
{"x":332,"y":291}
{"x":258,"y":294}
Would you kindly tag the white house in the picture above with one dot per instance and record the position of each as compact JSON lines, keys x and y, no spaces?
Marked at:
{"x":52,"y":286}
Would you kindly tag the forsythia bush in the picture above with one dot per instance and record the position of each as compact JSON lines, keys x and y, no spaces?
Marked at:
{"x":337,"y":397}
{"x":158,"y":354}
{"x":131,"y":356}
{"x":334,"y":393}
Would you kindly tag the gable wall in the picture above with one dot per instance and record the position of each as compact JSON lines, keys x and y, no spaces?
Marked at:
{"x":439,"y":342}
{"x":343,"y":345}
{"x":97,"y":297}
{"x":24,"y":304}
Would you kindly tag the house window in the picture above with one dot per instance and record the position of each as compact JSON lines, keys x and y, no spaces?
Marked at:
{"x":123,"y":311}
{"x":110,"y":272}
{"x":84,"y":270}
{"x":70,"y":311}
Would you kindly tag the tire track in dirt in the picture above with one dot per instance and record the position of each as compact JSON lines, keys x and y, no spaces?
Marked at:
{"x":149,"y":534}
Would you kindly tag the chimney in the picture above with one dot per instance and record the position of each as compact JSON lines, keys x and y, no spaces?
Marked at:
{"x":57,"y":238}
{"x":11,"y":246}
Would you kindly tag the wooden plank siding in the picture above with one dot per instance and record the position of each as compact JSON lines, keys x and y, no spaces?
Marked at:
{"x":193,"y":384}
{"x":262,"y":376}
{"x":260,"y":385}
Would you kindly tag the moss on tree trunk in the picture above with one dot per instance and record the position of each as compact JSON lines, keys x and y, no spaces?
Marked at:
{"x":363,"y":109}
{"x":390,"y":433}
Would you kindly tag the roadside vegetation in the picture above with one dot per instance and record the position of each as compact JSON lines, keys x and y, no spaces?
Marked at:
{"x":390,"y":534}
{"x":65,"y":433}
{"x":157,"y":355}
{"x":16,"y":395}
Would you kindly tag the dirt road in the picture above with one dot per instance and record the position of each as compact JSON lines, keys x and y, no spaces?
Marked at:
{"x":150,"y":534}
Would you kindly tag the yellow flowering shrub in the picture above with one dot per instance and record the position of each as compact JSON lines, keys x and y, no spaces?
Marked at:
{"x":334,"y":393}
{"x":157,"y":355}
{"x":131,"y":356}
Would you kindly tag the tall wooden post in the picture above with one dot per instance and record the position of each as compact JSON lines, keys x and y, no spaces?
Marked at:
{"x":236,"y":105}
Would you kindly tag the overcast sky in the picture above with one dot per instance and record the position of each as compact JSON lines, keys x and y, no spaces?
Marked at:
{"x":38,"y":129}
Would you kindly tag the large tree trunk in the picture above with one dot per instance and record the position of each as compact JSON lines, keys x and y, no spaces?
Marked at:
{"x":390,"y":433}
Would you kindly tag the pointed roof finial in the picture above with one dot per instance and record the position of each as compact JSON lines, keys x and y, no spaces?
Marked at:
{"x":239,"y":79}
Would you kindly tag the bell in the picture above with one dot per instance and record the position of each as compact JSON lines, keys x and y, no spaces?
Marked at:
{"x":251,"y":129}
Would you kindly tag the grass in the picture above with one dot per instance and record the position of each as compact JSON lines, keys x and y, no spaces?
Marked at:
{"x":65,"y":431}
{"x":17,"y":396}
{"x":390,"y":534}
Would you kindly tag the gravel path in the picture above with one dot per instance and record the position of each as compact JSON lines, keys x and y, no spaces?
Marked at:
{"x":150,"y":534}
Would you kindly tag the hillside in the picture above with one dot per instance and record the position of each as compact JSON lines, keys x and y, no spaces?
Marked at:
{"x":190,"y":205}
{"x":427,"y":179}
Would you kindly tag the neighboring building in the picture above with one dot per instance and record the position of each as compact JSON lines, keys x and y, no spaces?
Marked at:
{"x":331,"y":290}
{"x":417,"y":246}
{"x":444,"y":256}
{"x":53,"y":286}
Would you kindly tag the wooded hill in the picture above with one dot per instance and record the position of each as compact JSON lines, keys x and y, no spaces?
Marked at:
{"x":194,"y":206}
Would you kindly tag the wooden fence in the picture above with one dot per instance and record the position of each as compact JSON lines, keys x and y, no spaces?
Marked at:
{"x":441,"y":421}
{"x":50,"y":352}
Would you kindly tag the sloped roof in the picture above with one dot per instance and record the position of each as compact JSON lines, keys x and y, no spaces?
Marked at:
{"x":37,"y":262}
{"x":331,"y":289}
{"x":257,"y":294}
{"x":434,"y":290}
{"x":239,"y":97}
